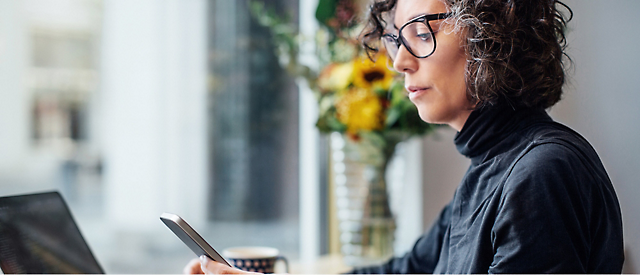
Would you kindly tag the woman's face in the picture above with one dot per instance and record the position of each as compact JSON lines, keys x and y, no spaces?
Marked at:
{"x":436,"y":84}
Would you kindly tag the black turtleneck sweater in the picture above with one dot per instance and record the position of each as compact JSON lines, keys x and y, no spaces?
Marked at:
{"x":536,"y":199}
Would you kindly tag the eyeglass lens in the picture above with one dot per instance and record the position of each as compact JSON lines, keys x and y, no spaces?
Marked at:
{"x":417,"y":38}
{"x":391,"y":45}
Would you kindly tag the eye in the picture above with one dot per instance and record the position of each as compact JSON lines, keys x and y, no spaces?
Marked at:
{"x":423,"y":34}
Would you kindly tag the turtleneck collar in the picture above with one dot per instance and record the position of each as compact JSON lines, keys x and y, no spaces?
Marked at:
{"x":488,"y":126}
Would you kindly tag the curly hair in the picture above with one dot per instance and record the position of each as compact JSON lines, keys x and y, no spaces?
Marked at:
{"x":514,"y":48}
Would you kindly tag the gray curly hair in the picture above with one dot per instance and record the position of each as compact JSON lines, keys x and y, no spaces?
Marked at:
{"x":515,"y":48}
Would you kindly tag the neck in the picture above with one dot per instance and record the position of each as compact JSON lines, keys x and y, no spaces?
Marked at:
{"x":459,"y":122}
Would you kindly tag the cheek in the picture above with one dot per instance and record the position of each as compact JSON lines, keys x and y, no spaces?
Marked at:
{"x":450,"y":76}
{"x":459,"y":79}
{"x":454,"y":73}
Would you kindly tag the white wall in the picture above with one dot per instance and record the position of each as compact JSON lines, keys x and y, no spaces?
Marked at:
{"x":601,"y":102}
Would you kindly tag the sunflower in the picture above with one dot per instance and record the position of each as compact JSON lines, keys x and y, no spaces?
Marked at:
{"x":372,"y":75}
{"x":360,"y":109}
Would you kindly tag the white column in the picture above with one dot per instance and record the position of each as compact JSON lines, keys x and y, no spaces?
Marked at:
{"x":154,"y":104}
{"x":14,"y":105}
{"x":186,"y":70}
{"x":309,"y":138}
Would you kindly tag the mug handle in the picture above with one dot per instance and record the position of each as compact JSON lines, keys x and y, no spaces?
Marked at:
{"x":286,"y":263}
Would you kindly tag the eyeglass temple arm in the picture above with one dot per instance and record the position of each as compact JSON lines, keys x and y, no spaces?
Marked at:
{"x":437,"y":16}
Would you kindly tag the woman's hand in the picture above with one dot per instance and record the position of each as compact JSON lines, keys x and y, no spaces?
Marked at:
{"x":204,"y":265}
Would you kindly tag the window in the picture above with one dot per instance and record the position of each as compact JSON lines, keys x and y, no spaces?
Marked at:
{"x":253,"y":133}
{"x":175,"y":106}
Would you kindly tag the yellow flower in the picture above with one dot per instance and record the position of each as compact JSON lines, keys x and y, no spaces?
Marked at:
{"x":336,"y":76}
{"x":368,"y":74}
{"x":360,"y":109}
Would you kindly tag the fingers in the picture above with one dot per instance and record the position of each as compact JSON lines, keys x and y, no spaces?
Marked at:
{"x":193,"y":267}
{"x":212,"y":267}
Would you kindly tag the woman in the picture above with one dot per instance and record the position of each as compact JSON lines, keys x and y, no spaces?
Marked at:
{"x":536,"y":198}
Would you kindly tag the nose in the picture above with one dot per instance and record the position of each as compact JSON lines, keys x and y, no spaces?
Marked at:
{"x":405,"y":62}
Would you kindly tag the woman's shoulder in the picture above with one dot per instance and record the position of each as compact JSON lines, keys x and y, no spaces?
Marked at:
{"x":550,"y":130}
{"x":557,"y":156}
{"x":555,"y":141}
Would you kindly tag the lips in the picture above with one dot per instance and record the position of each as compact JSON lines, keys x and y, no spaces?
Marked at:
{"x":413,"y":89}
{"x":415,"y":92}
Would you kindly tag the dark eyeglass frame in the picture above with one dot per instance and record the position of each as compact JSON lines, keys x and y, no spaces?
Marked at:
{"x":399,"y":40}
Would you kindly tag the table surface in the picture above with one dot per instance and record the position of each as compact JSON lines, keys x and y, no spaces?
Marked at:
{"x":326,"y":264}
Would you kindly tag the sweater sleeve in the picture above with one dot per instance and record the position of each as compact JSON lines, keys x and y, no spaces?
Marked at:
{"x":542,"y":222}
{"x":424,"y":255}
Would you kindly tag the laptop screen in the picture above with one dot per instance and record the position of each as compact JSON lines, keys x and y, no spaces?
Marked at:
{"x":38,"y":235}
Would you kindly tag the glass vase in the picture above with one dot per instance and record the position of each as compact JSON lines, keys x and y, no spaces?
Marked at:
{"x":365,"y":221}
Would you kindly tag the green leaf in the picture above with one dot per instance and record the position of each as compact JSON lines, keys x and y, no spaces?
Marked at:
{"x":335,"y":124}
{"x":380,"y":92}
{"x":392,"y":117}
{"x":326,"y":10}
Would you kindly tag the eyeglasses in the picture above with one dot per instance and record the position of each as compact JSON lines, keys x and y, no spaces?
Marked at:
{"x":416,"y":36}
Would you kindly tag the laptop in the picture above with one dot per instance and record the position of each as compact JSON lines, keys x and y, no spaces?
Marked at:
{"x":38,"y":235}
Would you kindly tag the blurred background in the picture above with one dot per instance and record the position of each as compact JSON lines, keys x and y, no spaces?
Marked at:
{"x":134,"y":108}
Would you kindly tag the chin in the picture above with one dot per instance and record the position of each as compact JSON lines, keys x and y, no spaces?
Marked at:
{"x":424,"y":115}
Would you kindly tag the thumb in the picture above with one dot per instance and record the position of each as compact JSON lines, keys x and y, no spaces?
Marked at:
{"x":209,"y":266}
{"x":205,"y":263}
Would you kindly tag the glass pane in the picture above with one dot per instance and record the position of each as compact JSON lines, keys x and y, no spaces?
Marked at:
{"x":253,"y":133}
{"x":103,"y":105}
